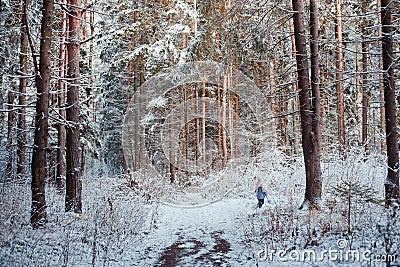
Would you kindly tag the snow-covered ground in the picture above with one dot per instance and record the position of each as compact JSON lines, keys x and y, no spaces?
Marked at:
{"x":211,"y":235}
{"x":119,"y":227}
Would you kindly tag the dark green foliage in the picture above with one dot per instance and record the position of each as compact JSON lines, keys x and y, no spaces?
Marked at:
{"x":356,"y":191}
{"x":352,"y":193}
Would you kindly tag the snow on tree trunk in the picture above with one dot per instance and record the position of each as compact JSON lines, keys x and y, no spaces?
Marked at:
{"x":61,"y":103}
{"x":392,"y":183}
{"x":339,"y":78}
{"x":23,"y":62}
{"x":38,"y":166}
{"x":73,"y":174}
{"x":313,"y":175}
{"x":316,"y":181}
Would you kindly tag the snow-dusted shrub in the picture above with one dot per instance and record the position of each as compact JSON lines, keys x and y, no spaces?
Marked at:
{"x":112,"y":217}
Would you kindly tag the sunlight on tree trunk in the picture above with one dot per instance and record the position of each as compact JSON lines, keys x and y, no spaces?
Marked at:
{"x":73,"y":201}
{"x":339,"y":79}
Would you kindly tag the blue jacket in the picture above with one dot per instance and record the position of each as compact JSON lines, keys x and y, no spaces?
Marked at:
{"x":260,"y":193}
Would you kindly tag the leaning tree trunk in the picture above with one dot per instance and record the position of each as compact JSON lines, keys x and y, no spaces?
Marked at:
{"x":392,"y":182}
{"x":73,"y":174}
{"x":313,"y":176}
{"x":38,"y":166}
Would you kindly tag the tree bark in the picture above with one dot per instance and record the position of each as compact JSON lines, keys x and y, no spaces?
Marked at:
{"x":219,"y":114}
{"x":136,"y":86}
{"x":23,"y":62}
{"x":382,"y":94}
{"x":392,"y":182}
{"x":73,"y":174}
{"x":62,"y":135}
{"x":339,"y":78}
{"x":283,"y":134}
{"x":1,"y":98}
{"x":38,"y":166}
{"x":203,"y":123}
{"x":272,"y":90}
{"x":295,"y":102}
{"x":313,"y":176}
{"x":316,"y":181}
{"x":223,"y":123}
{"x":10,"y":124}
{"x":91,"y":47}
{"x":365,"y":98}
{"x":84,"y":22}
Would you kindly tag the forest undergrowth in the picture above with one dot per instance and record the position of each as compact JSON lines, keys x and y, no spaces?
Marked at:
{"x":115,"y":215}
{"x":352,"y":218}
{"x":112,"y":217}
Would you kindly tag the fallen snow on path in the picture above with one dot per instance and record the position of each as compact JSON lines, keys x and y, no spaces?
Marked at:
{"x":210,"y":235}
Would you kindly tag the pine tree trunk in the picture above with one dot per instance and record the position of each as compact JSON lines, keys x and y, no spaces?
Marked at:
{"x":322,"y":101}
{"x":62,"y":135}
{"x":91,"y":46}
{"x":38,"y":166}
{"x":136,"y":85}
{"x":365,"y":98}
{"x":283,"y":137}
{"x":172,"y":159}
{"x":73,"y":174}
{"x":382,"y":94}
{"x":127,"y":93}
{"x":1,"y":98}
{"x":295,"y":103}
{"x":223,"y":126}
{"x":219,"y":142}
{"x":313,"y":179}
{"x":23,"y":62}
{"x":197,"y":126}
{"x":273,"y":97}
{"x":316,"y":181}
{"x":52,"y":151}
{"x":357,"y":76}
{"x":230,"y":126}
{"x":324,"y":80}
{"x":203,"y":124}
{"x":392,"y":146}
{"x":84,"y":22}
{"x":10,"y":124}
{"x":339,"y":78}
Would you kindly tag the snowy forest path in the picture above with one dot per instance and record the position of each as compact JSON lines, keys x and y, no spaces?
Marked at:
{"x":210,"y":235}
